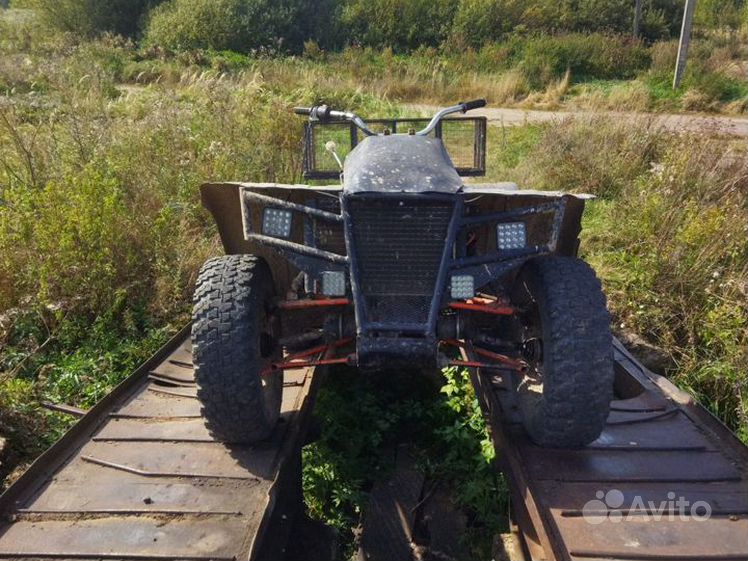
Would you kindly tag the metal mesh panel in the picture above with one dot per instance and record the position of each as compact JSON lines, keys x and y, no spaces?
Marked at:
{"x":399,"y":246}
{"x":460,"y":138}
{"x":464,"y":138}
{"x":317,"y":155}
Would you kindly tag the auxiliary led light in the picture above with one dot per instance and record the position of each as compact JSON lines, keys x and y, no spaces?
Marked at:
{"x":462,"y":287}
{"x":333,"y":283}
{"x":511,"y":235}
{"x":276,"y":223}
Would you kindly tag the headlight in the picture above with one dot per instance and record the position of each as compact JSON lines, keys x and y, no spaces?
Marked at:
{"x":511,"y":235}
{"x":276,"y":222}
{"x":462,"y":287}
{"x":333,"y":283}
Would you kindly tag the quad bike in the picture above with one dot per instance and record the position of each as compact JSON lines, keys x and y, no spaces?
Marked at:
{"x":401,"y":264}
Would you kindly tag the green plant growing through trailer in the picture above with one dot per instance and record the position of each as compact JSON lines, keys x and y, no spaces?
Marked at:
{"x":363,"y":418}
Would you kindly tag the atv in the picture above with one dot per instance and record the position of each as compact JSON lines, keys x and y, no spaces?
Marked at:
{"x":401,"y":264}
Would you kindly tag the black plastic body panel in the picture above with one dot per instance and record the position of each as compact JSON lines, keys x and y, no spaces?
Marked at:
{"x":400,"y":164}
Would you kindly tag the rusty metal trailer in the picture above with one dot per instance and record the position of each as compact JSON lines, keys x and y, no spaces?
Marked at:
{"x":139,"y":477}
{"x":666,"y":481}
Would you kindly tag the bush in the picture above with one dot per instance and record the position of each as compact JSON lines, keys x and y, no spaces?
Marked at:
{"x":93,"y":17}
{"x":401,"y":24}
{"x":237,"y":25}
{"x":545,"y":58}
{"x":719,"y":13}
{"x":478,"y":22}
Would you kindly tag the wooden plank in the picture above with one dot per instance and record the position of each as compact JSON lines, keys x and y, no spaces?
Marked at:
{"x":445,"y":525}
{"x":388,"y":520}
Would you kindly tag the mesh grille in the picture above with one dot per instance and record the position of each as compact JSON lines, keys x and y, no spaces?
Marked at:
{"x":399,"y":246}
{"x":329,"y":235}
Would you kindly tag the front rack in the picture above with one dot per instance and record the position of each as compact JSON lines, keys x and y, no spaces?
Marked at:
{"x":463,"y":137}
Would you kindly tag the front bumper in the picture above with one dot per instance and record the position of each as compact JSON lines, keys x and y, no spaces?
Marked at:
{"x":400,"y":250}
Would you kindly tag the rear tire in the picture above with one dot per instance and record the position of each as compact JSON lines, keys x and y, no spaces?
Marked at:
{"x":233,"y":341}
{"x":564,"y":327}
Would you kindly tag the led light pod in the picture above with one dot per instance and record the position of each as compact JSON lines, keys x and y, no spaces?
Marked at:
{"x":511,"y":235}
{"x":462,"y":287}
{"x":333,"y":283}
{"x":276,"y":222}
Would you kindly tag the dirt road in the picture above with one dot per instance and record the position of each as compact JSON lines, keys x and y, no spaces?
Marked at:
{"x":713,"y":124}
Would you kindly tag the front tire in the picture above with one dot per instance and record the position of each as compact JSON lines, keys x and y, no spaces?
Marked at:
{"x":564,"y":328}
{"x":233,"y":341}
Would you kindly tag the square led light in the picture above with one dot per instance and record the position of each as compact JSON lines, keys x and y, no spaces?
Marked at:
{"x":511,"y":235}
{"x":462,"y":287}
{"x":333,"y":283}
{"x":276,"y":222}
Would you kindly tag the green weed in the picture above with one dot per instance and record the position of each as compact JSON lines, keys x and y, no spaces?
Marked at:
{"x":364,"y":418}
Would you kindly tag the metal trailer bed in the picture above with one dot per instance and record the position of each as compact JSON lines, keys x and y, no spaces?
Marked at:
{"x":658,"y":445}
{"x":140,"y":477}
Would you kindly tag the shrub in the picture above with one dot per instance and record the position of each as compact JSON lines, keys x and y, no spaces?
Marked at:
{"x":401,"y":24}
{"x":544,"y":57}
{"x":237,"y":25}
{"x":673,"y":251}
{"x":715,"y":85}
{"x":478,"y":22}
{"x":93,"y":17}
{"x":720,"y":14}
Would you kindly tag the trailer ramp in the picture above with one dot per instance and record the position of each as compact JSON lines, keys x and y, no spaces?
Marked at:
{"x":602,"y":502}
{"x":140,"y":477}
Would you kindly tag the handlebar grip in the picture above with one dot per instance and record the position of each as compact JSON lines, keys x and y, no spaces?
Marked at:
{"x":475,"y":104}
{"x":302,"y":110}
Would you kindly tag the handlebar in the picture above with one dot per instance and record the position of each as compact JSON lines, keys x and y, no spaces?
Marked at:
{"x":325,"y":113}
{"x":475,"y":104}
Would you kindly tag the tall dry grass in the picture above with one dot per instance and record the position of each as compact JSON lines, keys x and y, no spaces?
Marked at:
{"x":667,"y":235}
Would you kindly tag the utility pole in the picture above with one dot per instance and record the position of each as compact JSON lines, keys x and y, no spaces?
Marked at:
{"x":637,"y":17}
{"x":685,"y":39}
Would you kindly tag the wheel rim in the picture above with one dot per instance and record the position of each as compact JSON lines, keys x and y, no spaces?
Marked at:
{"x":529,"y":335}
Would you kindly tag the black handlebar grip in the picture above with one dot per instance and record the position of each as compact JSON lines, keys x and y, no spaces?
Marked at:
{"x":475,"y":104}
{"x":302,"y":110}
